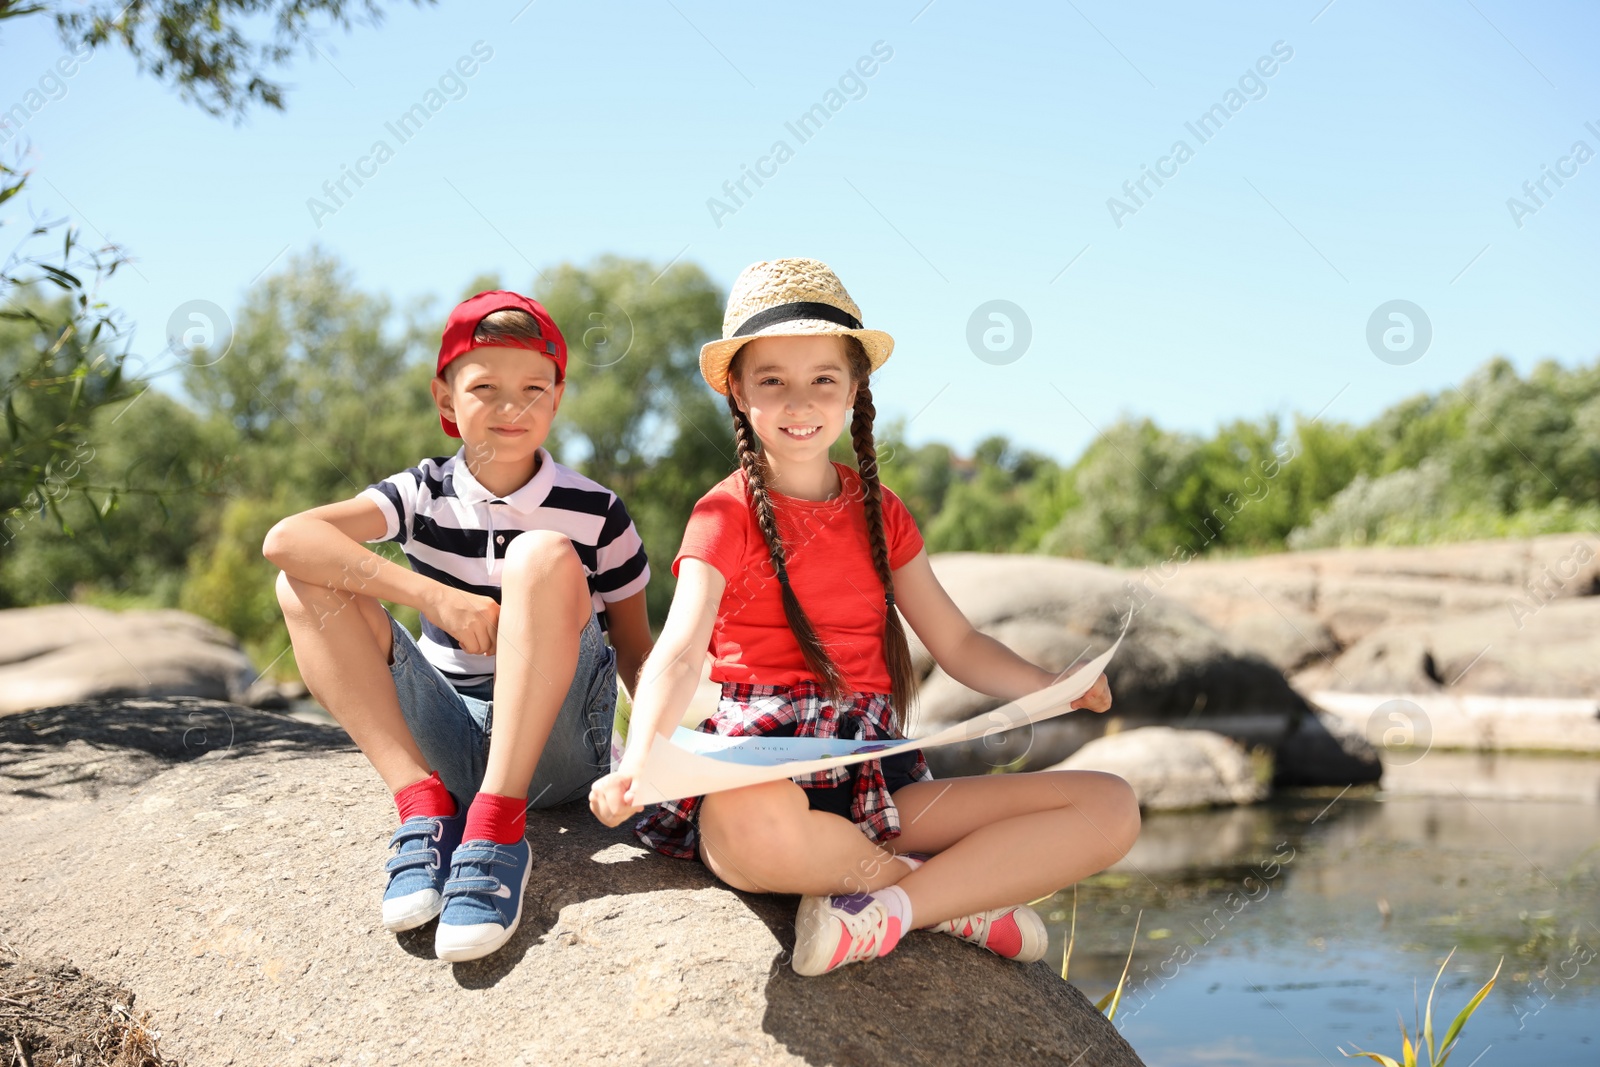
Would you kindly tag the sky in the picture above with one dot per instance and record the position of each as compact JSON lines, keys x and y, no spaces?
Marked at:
{"x":1356,"y":154}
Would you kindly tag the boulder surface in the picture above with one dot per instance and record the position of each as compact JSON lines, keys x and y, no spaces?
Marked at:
{"x":1059,"y":612}
{"x":64,"y":653}
{"x":1172,"y":770}
{"x":226,"y":864}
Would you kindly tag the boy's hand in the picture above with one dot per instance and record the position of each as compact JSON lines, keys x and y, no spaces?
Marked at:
{"x":611,"y":798}
{"x":469,"y":618}
{"x":1098,"y":698}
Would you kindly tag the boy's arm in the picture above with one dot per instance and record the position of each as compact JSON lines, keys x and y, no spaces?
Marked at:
{"x":628,"y":625}
{"x":322,"y":546}
{"x":667,"y":683}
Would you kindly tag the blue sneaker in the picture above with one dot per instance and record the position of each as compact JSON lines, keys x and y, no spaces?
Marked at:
{"x":415,"y":893}
{"x":482,"y":899}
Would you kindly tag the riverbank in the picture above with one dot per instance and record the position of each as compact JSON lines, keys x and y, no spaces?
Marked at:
{"x":1275,"y":934}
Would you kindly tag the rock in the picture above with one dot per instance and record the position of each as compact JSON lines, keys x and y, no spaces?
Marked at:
{"x":1058,"y":612}
{"x":62,"y":653}
{"x":231,"y":878}
{"x":1356,"y":591}
{"x":266,"y":696}
{"x":1172,"y":770}
{"x":1288,"y":639}
{"x":1551,"y":650}
{"x":1325,"y":749}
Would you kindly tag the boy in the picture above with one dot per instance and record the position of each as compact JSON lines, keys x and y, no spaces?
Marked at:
{"x":517,"y":565}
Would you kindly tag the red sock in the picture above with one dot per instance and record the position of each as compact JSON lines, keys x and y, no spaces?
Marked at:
{"x":428,"y":797}
{"x":493,"y":817}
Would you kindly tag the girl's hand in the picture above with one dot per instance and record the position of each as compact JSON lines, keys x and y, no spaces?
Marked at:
{"x":611,"y":798}
{"x":1098,"y":698}
{"x":469,"y":618}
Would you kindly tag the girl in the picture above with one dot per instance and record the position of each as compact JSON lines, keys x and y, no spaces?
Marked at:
{"x":790,"y":571}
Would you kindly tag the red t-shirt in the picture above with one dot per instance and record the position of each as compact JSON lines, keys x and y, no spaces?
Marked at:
{"x":828,"y":556}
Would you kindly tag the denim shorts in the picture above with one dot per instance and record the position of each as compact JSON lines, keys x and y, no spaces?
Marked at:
{"x":453,"y":727}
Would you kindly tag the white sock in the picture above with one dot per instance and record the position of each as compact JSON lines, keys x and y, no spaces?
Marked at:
{"x":898,"y":903}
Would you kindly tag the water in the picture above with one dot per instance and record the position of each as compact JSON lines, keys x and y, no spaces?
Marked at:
{"x":1276,"y":934}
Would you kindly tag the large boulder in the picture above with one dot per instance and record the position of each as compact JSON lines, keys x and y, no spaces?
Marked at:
{"x":1172,"y":666}
{"x":225,"y":864}
{"x":62,"y":653}
{"x":1172,"y":770}
{"x":1354,"y":592}
{"x":1325,"y":749}
{"x":1550,"y":650}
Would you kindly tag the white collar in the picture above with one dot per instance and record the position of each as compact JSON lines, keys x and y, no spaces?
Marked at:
{"x":528,"y":497}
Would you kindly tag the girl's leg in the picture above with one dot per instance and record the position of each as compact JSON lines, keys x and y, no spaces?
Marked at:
{"x":544,"y":607}
{"x":766,"y":839}
{"x":1005,"y":839}
{"x":342,"y":644}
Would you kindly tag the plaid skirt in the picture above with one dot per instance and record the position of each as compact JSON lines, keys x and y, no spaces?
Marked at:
{"x":800,"y":710}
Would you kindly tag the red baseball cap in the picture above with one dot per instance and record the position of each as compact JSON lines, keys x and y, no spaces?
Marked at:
{"x":463,"y":323}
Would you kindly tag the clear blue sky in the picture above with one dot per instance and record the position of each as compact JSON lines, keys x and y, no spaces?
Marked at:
{"x":977,"y":165}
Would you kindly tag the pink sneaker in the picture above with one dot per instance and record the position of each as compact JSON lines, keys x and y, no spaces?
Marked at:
{"x":1017,"y":932}
{"x":830,"y":932}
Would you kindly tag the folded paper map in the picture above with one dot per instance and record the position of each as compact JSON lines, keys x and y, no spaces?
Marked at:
{"x":693,"y":763}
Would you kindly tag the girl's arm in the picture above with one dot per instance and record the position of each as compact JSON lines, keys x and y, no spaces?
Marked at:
{"x":971,"y":657}
{"x":666,"y":684}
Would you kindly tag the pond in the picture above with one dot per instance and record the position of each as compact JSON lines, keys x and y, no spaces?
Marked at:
{"x":1280,"y":933}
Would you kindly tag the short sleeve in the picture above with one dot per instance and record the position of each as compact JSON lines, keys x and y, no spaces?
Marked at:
{"x":621,"y":568}
{"x":905,"y":540}
{"x":717,"y":532}
{"x":396,"y":497}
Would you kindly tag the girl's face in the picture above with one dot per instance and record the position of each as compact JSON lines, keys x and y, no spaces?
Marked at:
{"x":796,"y":392}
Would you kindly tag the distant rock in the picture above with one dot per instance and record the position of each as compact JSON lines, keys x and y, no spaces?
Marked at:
{"x":1325,"y":749}
{"x":1356,"y":592}
{"x":1289,"y":639}
{"x":226,"y":865}
{"x":61,"y":653}
{"x":1549,"y":651}
{"x":1172,"y":770}
{"x":1059,"y":612}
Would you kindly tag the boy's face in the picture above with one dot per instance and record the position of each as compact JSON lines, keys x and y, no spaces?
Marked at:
{"x":503,"y":401}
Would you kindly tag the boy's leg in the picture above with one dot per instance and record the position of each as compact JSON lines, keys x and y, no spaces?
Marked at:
{"x":342,"y":643}
{"x":578,"y":748}
{"x":544,"y":608}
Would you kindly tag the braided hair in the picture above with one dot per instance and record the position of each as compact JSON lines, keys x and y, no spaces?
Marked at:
{"x":897,"y":652}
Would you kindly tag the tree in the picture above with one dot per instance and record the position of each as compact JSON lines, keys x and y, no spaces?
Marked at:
{"x":216,"y":53}
{"x":637,"y":417}
{"x":65,"y":364}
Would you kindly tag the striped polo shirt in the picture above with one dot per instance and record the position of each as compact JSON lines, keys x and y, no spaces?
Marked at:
{"x":454,"y":530}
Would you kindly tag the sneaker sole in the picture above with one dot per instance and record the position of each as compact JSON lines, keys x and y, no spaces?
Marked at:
{"x":1035,"y":936}
{"x":465,"y":952}
{"x":813,"y":951}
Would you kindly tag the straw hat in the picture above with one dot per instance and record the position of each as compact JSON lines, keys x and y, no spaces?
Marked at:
{"x":787,"y":298}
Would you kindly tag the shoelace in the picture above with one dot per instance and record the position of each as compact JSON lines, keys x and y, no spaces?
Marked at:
{"x":978,"y":921}
{"x":864,"y":943}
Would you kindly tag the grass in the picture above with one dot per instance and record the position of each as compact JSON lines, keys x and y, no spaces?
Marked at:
{"x":1412,"y":1047}
{"x":1108,"y":1004}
